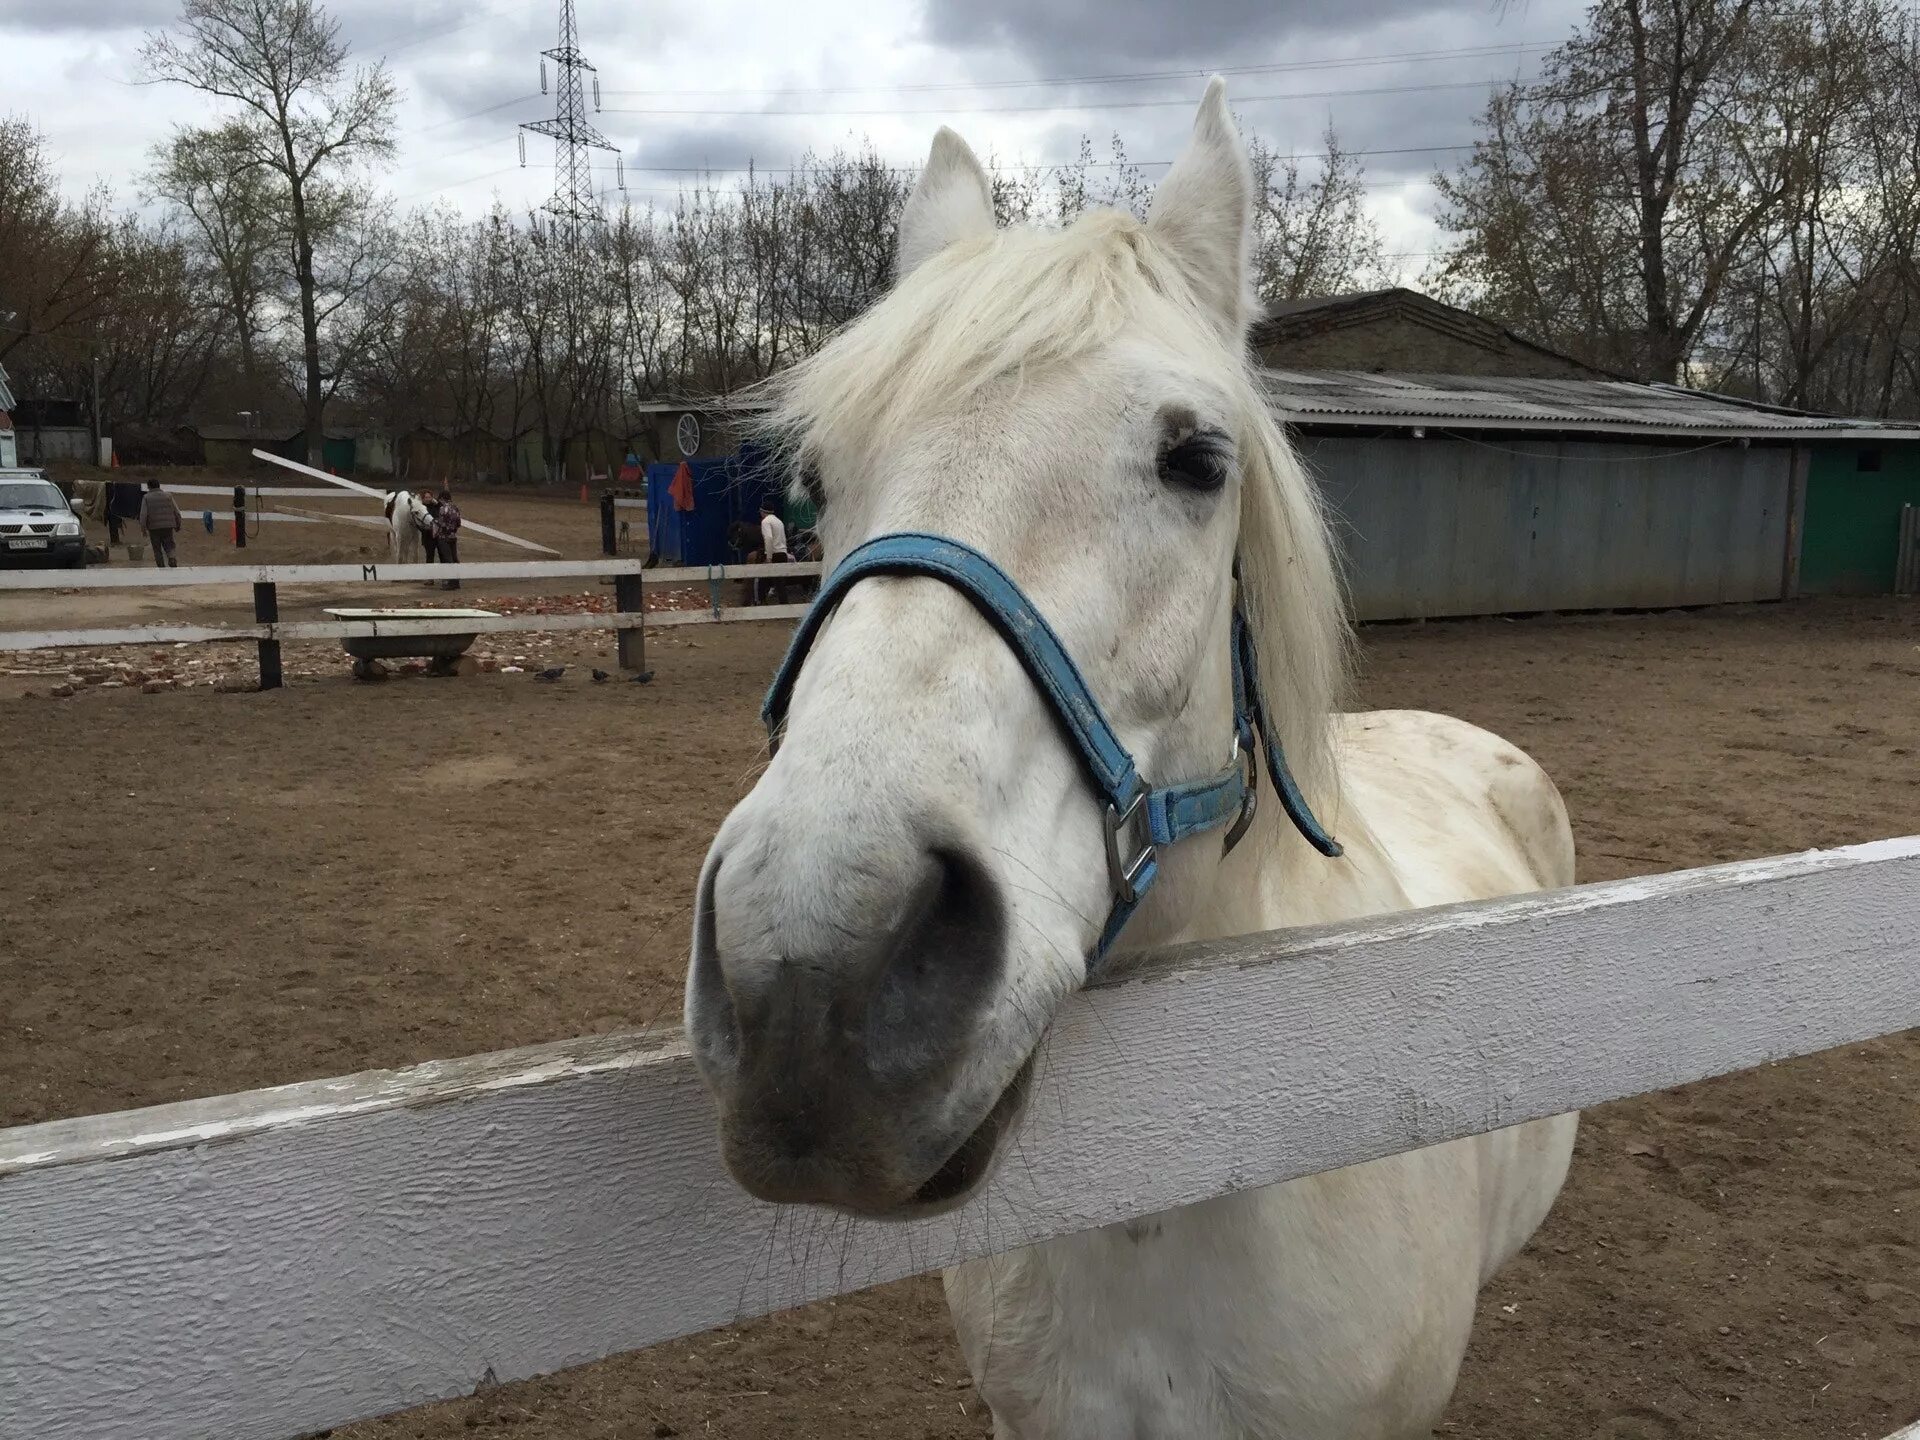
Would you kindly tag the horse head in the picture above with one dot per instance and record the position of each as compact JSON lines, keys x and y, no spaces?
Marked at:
{"x":1066,"y":421}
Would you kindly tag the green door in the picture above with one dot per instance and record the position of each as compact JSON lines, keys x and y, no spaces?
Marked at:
{"x":1850,"y":540}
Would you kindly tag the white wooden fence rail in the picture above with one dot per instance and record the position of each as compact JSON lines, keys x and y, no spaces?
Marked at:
{"x":380,"y":572}
{"x":269,"y":1264}
{"x":339,"y":629}
{"x":628,"y":618}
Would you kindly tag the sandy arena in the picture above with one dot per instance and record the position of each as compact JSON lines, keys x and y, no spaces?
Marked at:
{"x":229,"y":890}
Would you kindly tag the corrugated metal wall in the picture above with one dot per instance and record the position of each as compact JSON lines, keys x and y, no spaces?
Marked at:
{"x":1444,"y":526}
{"x":53,"y":442}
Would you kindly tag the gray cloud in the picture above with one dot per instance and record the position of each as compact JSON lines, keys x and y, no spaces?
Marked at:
{"x":1072,"y":36}
{"x":468,"y":72}
{"x":64,"y":16}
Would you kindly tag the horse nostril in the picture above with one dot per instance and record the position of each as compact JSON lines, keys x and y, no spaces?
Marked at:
{"x":713,"y":1025}
{"x":940,"y":968}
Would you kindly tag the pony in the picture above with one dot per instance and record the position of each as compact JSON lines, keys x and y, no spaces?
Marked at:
{"x":407,"y":520}
{"x":887,"y":922}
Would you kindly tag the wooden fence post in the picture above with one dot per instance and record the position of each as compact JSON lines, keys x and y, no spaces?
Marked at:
{"x":629,"y":599}
{"x":266,"y":610}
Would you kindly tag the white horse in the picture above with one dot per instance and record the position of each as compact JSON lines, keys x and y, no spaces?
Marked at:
{"x":887,"y":923}
{"x":407,"y":520}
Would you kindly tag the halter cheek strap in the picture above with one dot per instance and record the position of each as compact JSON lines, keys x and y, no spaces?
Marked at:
{"x":1139,"y":818}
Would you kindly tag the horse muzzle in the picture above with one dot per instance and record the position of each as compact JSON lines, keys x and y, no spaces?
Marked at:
{"x":855,"y":1053}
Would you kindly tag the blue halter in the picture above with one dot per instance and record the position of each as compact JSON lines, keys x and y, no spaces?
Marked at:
{"x":1139,"y":818}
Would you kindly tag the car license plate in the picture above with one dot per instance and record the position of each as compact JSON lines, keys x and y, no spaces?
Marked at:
{"x":36,"y":543}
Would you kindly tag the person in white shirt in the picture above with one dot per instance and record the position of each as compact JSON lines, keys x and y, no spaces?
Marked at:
{"x":773,"y":549}
{"x":773,"y":535}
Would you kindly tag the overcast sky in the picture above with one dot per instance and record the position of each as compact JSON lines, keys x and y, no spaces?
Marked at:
{"x":716,"y":84}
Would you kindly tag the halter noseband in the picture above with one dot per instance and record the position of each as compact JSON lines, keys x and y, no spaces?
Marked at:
{"x":1139,"y":818}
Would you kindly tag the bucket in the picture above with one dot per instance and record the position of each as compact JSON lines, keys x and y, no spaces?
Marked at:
{"x":136,"y":552}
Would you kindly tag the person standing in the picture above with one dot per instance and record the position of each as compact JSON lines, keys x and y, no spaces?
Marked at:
{"x":431,"y":530}
{"x":446,"y":534}
{"x":429,"y":536}
{"x":160,"y":518}
{"x":773,"y":535}
{"x":773,"y":547}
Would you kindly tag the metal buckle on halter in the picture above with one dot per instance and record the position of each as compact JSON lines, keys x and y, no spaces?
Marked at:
{"x":1124,"y":875}
{"x":1249,"y":800}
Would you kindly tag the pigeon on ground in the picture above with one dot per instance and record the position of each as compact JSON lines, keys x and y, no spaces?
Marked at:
{"x":642,"y":678}
{"x":551,"y":675}
{"x":600,"y":677}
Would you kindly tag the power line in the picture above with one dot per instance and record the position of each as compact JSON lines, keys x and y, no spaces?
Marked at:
{"x":997,"y":170}
{"x":1039,"y":168}
{"x":1185,"y":102}
{"x":1047,"y":165}
{"x":489,"y":12}
{"x":475,"y":115}
{"x":456,"y":184}
{"x":994,"y":109}
{"x":1470,"y":52}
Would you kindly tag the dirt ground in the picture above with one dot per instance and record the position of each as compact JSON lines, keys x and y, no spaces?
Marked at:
{"x":230,"y":890}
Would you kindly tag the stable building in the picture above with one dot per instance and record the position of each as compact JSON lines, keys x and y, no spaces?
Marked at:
{"x":1461,"y":494}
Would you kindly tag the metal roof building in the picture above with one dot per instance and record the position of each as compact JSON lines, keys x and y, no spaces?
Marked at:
{"x":1474,"y":495}
{"x":1355,"y":398}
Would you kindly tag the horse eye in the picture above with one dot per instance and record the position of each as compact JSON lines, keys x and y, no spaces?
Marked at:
{"x":1203,"y":461}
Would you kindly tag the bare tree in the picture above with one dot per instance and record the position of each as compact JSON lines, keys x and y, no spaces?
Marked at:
{"x":58,"y":271}
{"x":160,"y":339}
{"x":310,"y":122}
{"x":1606,"y":205}
{"x":209,"y":176}
{"x":1312,"y":235}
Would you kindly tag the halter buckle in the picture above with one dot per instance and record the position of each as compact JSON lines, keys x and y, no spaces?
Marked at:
{"x":1249,"y":799}
{"x":1124,"y":875}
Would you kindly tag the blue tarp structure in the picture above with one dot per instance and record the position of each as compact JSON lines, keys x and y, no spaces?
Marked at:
{"x":724,"y":491}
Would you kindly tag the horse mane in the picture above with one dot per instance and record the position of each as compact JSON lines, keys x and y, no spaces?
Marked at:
{"x":1024,"y":299}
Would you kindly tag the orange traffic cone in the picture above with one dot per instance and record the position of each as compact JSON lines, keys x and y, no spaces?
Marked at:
{"x":113,"y":460}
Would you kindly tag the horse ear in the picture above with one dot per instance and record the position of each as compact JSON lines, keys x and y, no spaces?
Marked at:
{"x":952,"y":200}
{"x":1203,"y":212}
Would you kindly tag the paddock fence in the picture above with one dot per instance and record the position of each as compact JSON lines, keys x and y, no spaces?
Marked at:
{"x":271,"y":1264}
{"x":629,"y":617}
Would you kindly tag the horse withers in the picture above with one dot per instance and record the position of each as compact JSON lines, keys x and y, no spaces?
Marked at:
{"x":1044,"y":456}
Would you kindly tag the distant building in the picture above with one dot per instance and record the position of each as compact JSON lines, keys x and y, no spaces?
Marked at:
{"x":715,"y":427}
{"x":1401,"y":330}
{"x":1476,"y":495}
{"x":55,"y":429}
{"x":231,"y":447}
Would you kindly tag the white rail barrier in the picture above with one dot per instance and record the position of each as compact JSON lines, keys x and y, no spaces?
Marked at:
{"x":380,"y":572}
{"x":628,"y":618}
{"x":270,"y":1264}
